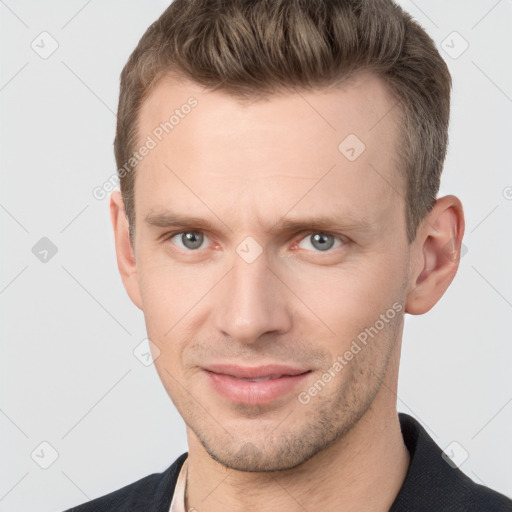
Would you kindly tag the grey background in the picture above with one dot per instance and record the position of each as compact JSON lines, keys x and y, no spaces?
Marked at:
{"x":68,"y":330}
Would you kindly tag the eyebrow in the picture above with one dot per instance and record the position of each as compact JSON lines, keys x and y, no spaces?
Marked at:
{"x":168,"y":219}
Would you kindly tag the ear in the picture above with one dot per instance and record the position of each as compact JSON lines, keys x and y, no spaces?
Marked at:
{"x":435,"y":255}
{"x":124,"y":251}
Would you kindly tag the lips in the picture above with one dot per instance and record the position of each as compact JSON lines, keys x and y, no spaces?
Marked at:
{"x":254,"y":385}
{"x":268,"y":371}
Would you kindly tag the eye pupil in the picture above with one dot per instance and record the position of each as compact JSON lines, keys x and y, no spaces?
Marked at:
{"x":325,"y":242}
{"x":192,"y":240}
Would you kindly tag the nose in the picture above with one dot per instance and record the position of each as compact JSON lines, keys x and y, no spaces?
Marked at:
{"x":251,"y":302}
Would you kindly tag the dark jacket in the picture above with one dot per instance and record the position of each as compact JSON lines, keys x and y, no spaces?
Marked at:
{"x":431,"y":484}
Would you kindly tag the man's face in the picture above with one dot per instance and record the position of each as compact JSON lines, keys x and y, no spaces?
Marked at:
{"x":242,"y":285}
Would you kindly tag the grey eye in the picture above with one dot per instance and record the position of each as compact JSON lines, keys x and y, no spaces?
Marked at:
{"x":320,"y":241}
{"x":190,"y":239}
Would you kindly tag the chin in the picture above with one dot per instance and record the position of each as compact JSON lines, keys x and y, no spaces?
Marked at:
{"x":250,"y":459}
{"x":281,"y":454}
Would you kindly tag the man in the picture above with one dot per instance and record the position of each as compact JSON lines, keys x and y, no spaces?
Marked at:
{"x":280,"y":162}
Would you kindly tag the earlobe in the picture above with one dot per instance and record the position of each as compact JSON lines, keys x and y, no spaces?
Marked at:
{"x":125,"y":253}
{"x":437,"y":248}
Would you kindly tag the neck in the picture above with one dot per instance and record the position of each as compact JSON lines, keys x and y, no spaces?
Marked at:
{"x":362,"y":471}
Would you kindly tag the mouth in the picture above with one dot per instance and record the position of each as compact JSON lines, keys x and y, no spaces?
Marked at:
{"x":254,"y":385}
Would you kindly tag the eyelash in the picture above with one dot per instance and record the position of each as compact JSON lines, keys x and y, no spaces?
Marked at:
{"x":341,"y":238}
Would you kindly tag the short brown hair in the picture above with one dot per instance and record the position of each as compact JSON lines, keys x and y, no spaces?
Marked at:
{"x":253,"y":48}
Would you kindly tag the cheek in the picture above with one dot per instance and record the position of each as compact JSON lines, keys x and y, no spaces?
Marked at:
{"x":167,"y":290}
{"x":351,"y":298}
{"x":167,"y":297}
{"x":175,"y":303}
{"x":159,"y":296}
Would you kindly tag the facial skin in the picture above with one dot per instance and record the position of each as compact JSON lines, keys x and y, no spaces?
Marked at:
{"x":246,"y":168}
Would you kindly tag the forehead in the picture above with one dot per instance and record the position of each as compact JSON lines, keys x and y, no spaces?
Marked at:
{"x":331,"y":149}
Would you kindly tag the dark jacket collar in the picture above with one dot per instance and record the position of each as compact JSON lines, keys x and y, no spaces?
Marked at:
{"x":433,"y":484}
